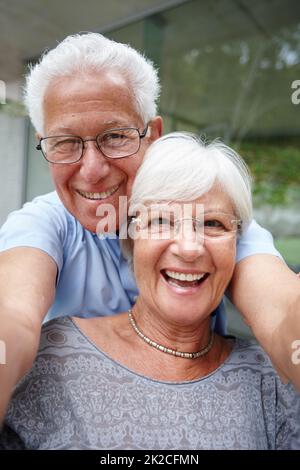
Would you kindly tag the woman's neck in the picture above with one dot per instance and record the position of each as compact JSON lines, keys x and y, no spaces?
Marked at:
{"x":116,"y":337}
{"x":178,"y":335}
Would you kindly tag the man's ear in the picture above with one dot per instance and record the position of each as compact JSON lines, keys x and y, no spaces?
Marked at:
{"x":156,"y":126}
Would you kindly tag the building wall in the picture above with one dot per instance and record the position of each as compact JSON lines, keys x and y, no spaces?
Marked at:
{"x":12,"y":163}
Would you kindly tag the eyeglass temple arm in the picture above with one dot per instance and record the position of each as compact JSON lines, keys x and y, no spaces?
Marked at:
{"x":144,"y":133}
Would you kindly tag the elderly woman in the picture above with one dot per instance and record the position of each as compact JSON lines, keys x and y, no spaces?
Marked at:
{"x":157,"y":376}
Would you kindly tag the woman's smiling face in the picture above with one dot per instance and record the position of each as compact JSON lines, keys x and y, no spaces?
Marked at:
{"x":184,"y":278}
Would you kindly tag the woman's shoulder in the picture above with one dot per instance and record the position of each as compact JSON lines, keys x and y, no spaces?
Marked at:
{"x":248,"y":351}
{"x":248,"y":361}
{"x":249,"y":364}
{"x":63,"y":354}
{"x":61,"y":334}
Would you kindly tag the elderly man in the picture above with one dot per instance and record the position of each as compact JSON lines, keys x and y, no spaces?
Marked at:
{"x":92,"y":102}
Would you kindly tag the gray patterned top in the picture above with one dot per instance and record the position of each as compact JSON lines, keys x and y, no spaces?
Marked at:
{"x":76,"y":397}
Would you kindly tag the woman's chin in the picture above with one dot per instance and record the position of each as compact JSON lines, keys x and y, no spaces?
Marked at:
{"x":184,"y":313}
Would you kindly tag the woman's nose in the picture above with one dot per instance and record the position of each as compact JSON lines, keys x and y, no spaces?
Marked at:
{"x":188,"y":248}
{"x":94,"y":165}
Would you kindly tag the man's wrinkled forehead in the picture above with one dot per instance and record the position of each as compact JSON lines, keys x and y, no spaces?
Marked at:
{"x":111,"y":76}
{"x":104,"y":98}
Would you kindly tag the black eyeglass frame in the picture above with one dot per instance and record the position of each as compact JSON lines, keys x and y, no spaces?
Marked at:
{"x":141,"y":136}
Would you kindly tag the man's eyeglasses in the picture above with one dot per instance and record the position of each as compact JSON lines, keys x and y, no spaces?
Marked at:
{"x":114,"y":143}
{"x":211,"y":226}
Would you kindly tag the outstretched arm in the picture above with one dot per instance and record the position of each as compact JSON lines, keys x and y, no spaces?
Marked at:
{"x":27,"y":289}
{"x":267,"y":293}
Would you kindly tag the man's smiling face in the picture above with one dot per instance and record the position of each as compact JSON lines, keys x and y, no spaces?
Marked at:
{"x":88,"y":105}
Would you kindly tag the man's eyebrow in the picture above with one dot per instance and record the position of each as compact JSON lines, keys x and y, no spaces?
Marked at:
{"x":62,"y":131}
{"x":102,"y":127}
{"x":117,"y":124}
{"x":111,"y":123}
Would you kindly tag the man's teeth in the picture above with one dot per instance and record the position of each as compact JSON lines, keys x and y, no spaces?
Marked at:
{"x":184,"y":277}
{"x":102,"y":195}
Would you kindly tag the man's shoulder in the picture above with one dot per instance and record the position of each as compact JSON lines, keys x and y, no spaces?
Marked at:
{"x":45,"y":212}
{"x":43,"y":223}
{"x":40,"y":207}
{"x":46,"y":201}
{"x":48,"y":198}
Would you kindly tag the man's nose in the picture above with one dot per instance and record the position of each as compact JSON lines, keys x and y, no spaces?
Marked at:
{"x":94,"y":165}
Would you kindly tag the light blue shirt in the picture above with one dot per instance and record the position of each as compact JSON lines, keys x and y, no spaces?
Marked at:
{"x":93,"y":277}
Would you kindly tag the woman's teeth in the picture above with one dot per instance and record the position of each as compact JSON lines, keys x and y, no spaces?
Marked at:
{"x":184,"y":280}
{"x":184,"y":276}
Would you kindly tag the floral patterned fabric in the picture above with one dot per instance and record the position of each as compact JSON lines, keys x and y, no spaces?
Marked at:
{"x":76,"y":397}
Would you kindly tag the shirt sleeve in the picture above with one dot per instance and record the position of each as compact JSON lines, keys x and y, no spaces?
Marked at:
{"x":39,"y":224}
{"x":255,"y":240}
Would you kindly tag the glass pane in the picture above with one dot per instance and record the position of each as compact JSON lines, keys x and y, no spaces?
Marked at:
{"x":38,"y":175}
{"x":227,"y":71}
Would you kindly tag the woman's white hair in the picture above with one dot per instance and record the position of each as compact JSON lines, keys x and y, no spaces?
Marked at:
{"x":92,"y":52}
{"x":182,"y":167}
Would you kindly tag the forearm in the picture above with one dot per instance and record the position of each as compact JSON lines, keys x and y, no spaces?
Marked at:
{"x":285,"y":345}
{"x":267,"y":294}
{"x":27,"y":290}
{"x":20,"y":342}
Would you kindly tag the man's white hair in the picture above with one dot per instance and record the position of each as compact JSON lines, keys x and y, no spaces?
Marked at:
{"x":182,"y":167}
{"x":92,"y":52}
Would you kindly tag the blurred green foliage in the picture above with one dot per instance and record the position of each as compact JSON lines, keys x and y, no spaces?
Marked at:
{"x":13,"y":108}
{"x":290,"y":249}
{"x":275,"y":167}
